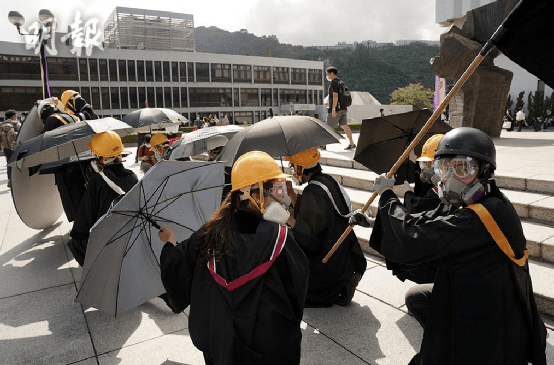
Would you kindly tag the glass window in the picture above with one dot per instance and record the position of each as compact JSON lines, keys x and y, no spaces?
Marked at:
{"x":236,"y":99}
{"x":140,"y":71}
{"x":83,"y":69}
{"x":142,"y":97}
{"x":124,"y":98}
{"x":19,"y":98}
{"x":159,"y":97}
{"x":131,"y":70}
{"x":85,"y":93}
{"x":167,"y":97}
{"x":275,"y":97}
{"x":19,"y":68}
{"x":113,"y":70}
{"x":298,"y":76}
{"x":150,"y":98}
{"x":105,"y":99}
{"x":95,"y":98}
{"x":190,"y":70}
{"x":242,"y":73}
{"x":60,"y":68}
{"x":221,"y":72}
{"x":292,"y":96}
{"x":122,"y":70}
{"x":265,"y":97}
{"x":210,"y":97}
{"x":167,"y":76}
{"x":149,"y":72}
{"x":158,"y":70}
{"x":93,"y":69}
{"x":315,"y":77}
{"x":176,"y":103}
{"x":262,"y":75}
{"x":183,"y":71}
{"x":280,"y":75}
{"x":243,"y":118}
{"x":103,"y":70}
{"x":184,"y":102}
{"x":133,"y":97}
{"x":202,"y":72}
{"x":115,"y":97}
{"x":248,"y":97}
{"x":175,"y":71}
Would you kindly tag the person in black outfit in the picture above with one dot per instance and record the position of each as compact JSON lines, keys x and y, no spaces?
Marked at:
{"x":109,"y":182}
{"x":242,"y":273}
{"x":320,"y":219}
{"x":336,"y":112}
{"x":481,"y":308}
{"x":75,"y":105}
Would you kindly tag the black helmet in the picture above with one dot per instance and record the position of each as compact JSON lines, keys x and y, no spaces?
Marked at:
{"x":468,"y":142}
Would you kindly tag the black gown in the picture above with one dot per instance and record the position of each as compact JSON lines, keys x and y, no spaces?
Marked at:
{"x":482,"y":309}
{"x":318,"y":227}
{"x":257,"y":322}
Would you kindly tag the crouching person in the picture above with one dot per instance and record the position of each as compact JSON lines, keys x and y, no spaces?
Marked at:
{"x":242,"y":273}
{"x":109,"y":182}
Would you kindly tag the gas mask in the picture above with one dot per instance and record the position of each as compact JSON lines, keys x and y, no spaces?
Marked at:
{"x":457,"y":193}
{"x":275,"y":212}
{"x":427,"y":174}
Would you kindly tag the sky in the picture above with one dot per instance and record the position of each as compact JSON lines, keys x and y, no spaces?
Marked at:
{"x":297,"y":22}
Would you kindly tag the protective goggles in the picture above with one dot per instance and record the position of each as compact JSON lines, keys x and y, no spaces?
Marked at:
{"x":425,"y":164}
{"x":461,"y":166}
{"x":277,"y":188}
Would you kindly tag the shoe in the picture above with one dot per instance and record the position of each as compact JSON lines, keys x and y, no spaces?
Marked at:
{"x":350,"y":147}
{"x":347,"y":293}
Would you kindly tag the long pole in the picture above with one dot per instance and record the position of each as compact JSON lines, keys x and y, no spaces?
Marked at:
{"x":468,"y":72}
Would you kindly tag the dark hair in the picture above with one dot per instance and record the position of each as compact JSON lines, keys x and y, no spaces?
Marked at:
{"x":332,"y":69}
{"x":10,"y":113}
{"x":147,"y":138}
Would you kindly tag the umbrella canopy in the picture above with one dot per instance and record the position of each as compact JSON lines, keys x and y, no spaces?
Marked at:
{"x":195,"y":142}
{"x":122,"y":264}
{"x":280,"y":136}
{"x":383,"y":139}
{"x":154,"y":118}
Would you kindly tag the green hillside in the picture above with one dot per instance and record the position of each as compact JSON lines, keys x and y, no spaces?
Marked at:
{"x":378,"y":71}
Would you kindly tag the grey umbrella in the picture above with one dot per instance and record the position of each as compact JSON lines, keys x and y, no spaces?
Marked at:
{"x":154,"y":118}
{"x":196,"y":142}
{"x":122,"y":269}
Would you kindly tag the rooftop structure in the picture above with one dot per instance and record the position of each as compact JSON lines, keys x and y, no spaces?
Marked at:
{"x":130,"y":28}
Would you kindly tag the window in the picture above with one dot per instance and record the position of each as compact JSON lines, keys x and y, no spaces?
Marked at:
{"x":202,"y":72}
{"x":292,"y":96}
{"x":298,"y":76}
{"x":122,"y":70}
{"x":105,"y":98}
{"x":184,"y":102}
{"x":265,"y":97}
{"x":248,"y":97}
{"x":280,"y":75}
{"x":103,"y":70}
{"x":315,"y":77}
{"x":83,"y":69}
{"x":262,"y":74}
{"x":19,"y":98}
{"x":19,"y":68}
{"x":133,"y":97}
{"x":175,"y":72}
{"x":190,"y":70}
{"x":142,"y":97}
{"x":167,"y":96}
{"x":167,"y":75}
{"x":159,"y":97}
{"x":62,"y":69}
{"x":183,"y":71}
{"x":140,"y":71}
{"x":243,"y":118}
{"x":124,"y":98}
{"x":93,"y":69}
{"x":150,"y":99}
{"x":149,"y":71}
{"x":210,"y":97}
{"x":113,"y":70}
{"x":242,"y":73}
{"x":131,"y":70}
{"x":176,"y":103}
{"x":85,"y":93}
{"x":158,"y":70}
{"x":221,"y":72}
{"x":115,"y":97}
{"x":95,"y":98}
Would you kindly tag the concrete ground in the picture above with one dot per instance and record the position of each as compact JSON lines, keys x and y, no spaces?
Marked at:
{"x":41,"y":324}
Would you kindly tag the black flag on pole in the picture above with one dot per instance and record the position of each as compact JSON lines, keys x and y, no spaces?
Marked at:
{"x":528,"y":37}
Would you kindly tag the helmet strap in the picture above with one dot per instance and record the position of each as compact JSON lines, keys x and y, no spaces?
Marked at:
{"x":260,"y":206}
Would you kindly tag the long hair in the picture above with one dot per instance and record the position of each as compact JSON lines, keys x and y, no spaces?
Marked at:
{"x":215,"y":237}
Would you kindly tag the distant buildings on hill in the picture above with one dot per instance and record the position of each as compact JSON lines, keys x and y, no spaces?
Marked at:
{"x":373,"y":44}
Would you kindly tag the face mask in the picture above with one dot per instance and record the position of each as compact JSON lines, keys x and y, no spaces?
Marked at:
{"x":147,"y":145}
{"x":428,"y":175}
{"x":457,"y":193}
{"x":276,"y":213}
{"x":328,"y":78}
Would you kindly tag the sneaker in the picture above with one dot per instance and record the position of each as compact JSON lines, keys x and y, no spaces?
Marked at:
{"x":347,"y":293}
{"x":350,"y":147}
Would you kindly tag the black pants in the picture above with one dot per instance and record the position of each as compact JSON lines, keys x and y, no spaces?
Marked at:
{"x":8,"y":153}
{"x":418,"y":300}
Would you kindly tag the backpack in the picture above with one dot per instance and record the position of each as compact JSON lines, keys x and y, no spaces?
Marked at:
{"x":345,"y":98}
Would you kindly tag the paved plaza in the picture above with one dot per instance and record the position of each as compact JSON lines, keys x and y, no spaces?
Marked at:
{"x":41,"y":324}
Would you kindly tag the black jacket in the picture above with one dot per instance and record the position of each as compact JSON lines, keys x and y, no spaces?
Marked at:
{"x":482,"y":310}
{"x":259,"y":321}
{"x":318,"y":227}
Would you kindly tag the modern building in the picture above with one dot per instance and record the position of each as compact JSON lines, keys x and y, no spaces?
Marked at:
{"x":118,"y":81}
{"x":130,"y":28}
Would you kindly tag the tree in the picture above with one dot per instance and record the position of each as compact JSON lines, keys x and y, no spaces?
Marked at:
{"x":519,"y":101}
{"x":414,"y":94}
{"x":509,"y":103}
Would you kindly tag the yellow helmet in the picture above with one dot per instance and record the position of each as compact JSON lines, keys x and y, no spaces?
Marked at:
{"x":306,"y":158}
{"x":106,"y":144}
{"x":254,"y":167}
{"x":158,"y":139}
{"x":428,"y":150}
{"x":66,"y":96}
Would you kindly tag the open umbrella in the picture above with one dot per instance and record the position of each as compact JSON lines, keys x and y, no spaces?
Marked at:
{"x":280,"y":136}
{"x":122,"y":269}
{"x":383,"y":139}
{"x":195,"y":142}
{"x":154,"y":118}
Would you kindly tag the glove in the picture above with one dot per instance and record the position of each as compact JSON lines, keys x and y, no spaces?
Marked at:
{"x":406,"y":187}
{"x":382,"y":183}
{"x":412,"y":156}
{"x":360,"y":219}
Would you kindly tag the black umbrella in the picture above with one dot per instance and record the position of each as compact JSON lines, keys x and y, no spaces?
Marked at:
{"x":154,"y":118}
{"x":383,"y":139}
{"x":279,"y":136}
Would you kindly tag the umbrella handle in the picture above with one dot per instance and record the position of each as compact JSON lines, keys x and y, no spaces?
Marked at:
{"x":150,"y":220}
{"x":468,"y":72}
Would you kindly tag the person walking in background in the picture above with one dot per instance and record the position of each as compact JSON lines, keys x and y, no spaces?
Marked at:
{"x":520,"y":119}
{"x":146,"y":155}
{"x":8,"y":136}
{"x":381,"y":112}
{"x":337,"y":113}
{"x":509,"y":119}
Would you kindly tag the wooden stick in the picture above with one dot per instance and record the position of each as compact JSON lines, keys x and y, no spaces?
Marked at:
{"x":468,"y":72}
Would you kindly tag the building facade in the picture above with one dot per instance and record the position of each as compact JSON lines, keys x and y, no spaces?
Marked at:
{"x":117,"y":81}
